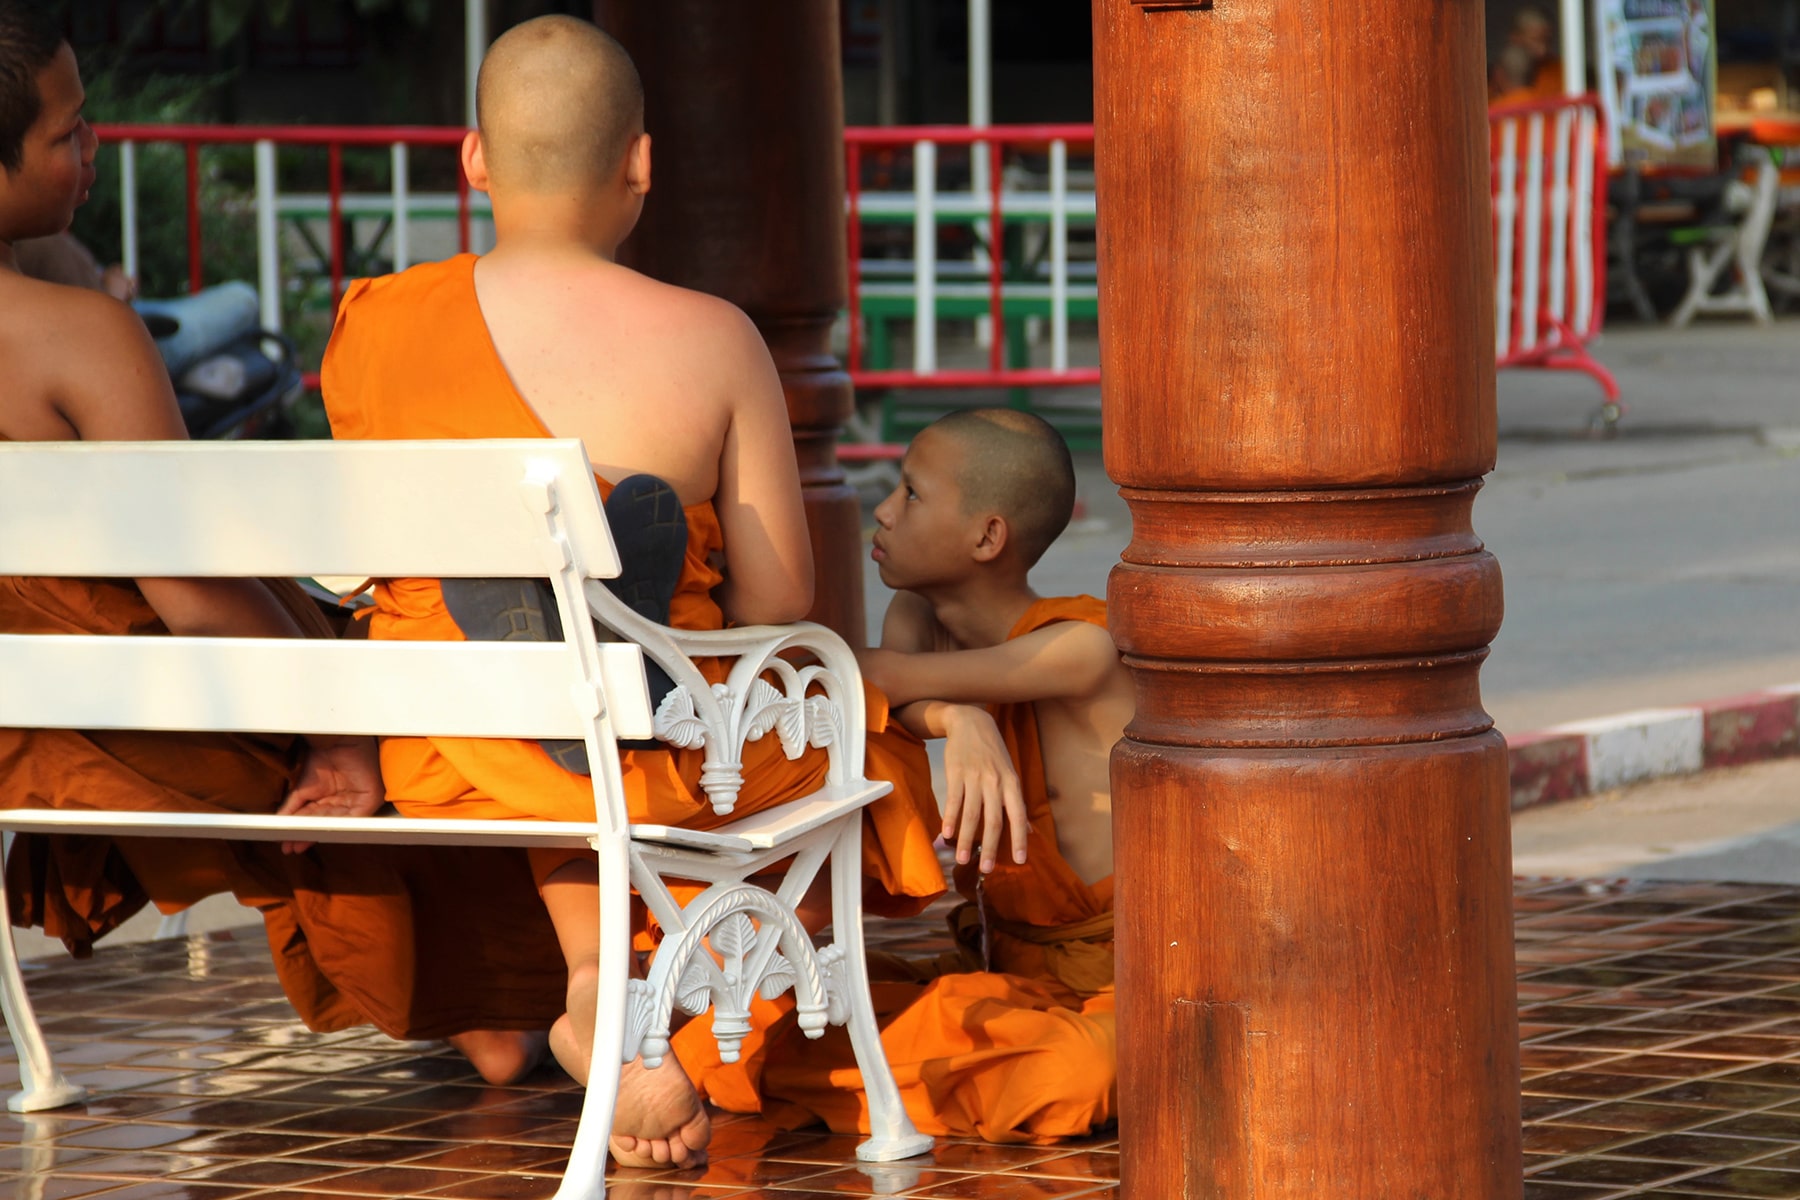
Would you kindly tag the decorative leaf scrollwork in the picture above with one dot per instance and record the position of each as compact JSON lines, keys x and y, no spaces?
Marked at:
{"x":824,"y":720}
{"x":640,"y":1010}
{"x":762,"y":710}
{"x":732,"y":938}
{"x":778,"y":978}
{"x":793,"y":728}
{"x":837,"y":985}
{"x":694,"y":992}
{"x":677,"y":722}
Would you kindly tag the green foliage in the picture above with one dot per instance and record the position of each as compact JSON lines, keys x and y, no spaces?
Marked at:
{"x":228,"y":227}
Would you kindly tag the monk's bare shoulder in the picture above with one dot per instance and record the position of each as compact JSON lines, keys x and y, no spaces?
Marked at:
{"x":84,"y":366}
{"x":717,"y":326}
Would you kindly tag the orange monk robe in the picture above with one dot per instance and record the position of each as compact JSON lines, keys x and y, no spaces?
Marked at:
{"x":390,"y":935}
{"x":411,"y":358}
{"x":1009,"y":1037}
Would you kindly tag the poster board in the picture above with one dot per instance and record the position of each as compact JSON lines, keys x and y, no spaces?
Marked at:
{"x":1658,"y":63}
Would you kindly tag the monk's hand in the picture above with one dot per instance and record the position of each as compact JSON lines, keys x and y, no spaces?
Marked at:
{"x":339,"y":777}
{"x":982,"y":792}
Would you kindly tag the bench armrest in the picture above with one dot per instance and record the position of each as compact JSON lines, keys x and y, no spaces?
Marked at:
{"x":816,"y":705}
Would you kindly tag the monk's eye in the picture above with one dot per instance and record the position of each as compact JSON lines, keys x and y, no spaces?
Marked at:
{"x":911,"y":495}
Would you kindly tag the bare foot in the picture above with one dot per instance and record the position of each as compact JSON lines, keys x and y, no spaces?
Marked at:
{"x":572,"y":1037}
{"x":502,"y":1056}
{"x":659,"y":1119}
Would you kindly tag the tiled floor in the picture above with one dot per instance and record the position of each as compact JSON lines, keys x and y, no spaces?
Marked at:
{"x":206,"y":1087}
{"x":1661,"y":1030}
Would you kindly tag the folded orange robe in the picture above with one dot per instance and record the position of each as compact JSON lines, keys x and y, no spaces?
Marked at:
{"x":393,"y":936}
{"x":411,"y":358}
{"x":1009,"y":1037}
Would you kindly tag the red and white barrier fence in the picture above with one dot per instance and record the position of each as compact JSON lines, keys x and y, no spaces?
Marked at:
{"x":1549,"y":193}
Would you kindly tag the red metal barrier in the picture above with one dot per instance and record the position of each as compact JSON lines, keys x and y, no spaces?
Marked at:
{"x":997,"y":140}
{"x":1549,"y":176}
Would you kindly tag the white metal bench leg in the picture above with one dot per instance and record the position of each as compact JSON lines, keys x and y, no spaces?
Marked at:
{"x":891,"y":1132}
{"x":585,"y":1178}
{"x":44,"y":1087}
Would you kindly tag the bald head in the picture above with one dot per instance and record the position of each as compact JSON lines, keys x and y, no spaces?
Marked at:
{"x":559,"y":103}
{"x":1016,"y":465}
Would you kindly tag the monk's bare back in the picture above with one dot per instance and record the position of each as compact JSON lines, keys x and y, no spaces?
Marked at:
{"x":664,"y":381}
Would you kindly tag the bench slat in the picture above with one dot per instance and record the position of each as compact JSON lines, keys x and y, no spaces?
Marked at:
{"x":389,"y":509}
{"x":760,"y":831}
{"x":249,"y":685}
{"x":773,"y":826}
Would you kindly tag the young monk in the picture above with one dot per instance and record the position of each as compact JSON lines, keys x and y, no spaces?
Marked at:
{"x":358,"y":933}
{"x":548,"y":336}
{"x":1010,"y":1037}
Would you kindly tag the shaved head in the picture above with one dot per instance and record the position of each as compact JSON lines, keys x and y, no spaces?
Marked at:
{"x":1016,"y":465}
{"x":558,"y":102}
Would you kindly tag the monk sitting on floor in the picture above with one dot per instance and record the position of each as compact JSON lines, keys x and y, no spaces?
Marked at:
{"x":1010,"y":1036}
{"x":359,"y":934}
{"x":679,"y":405}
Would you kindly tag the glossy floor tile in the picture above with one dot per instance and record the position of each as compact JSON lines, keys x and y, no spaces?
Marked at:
{"x":1660,"y":1057}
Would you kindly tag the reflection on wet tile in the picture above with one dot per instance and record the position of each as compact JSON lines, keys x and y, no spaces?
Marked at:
{"x":398,"y":1181}
{"x":1661,"y":1028}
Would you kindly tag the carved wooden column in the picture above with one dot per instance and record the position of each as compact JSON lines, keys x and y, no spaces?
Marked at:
{"x":746,"y":113}
{"x":1315,"y":939}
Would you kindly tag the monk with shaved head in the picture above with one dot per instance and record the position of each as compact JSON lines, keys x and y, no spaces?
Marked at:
{"x":1011,"y":1036}
{"x":680,"y":408}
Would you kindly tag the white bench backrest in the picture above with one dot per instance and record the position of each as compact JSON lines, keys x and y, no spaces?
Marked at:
{"x":380,"y":509}
{"x":385,"y":509}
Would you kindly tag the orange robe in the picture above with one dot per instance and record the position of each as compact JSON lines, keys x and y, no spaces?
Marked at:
{"x":1012,"y":1041}
{"x":389,"y":935}
{"x":411,"y":358}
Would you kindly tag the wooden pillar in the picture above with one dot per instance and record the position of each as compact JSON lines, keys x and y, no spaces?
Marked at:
{"x":746,"y":115}
{"x":1315,"y":940}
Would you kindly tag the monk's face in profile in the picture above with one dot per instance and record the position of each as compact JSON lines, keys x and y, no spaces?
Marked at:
{"x":56,"y":166}
{"x":925,"y":533}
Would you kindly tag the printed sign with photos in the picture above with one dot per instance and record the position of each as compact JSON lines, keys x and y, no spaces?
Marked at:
{"x":1658,"y":70}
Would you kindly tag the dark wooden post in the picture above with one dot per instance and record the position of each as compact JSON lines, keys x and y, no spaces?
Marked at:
{"x":1315,"y":940}
{"x":745,"y":109}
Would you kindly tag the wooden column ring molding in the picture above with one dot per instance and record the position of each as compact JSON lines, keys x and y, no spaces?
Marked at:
{"x":1387,"y":601}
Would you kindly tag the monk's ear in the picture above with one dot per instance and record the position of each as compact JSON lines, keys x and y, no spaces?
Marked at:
{"x":637,"y":165}
{"x":474,"y":161}
{"x":994,"y":538}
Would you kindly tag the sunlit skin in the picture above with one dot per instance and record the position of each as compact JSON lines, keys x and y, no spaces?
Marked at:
{"x":962,"y":585}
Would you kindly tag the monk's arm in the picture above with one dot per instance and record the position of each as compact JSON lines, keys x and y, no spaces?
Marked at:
{"x":981,"y":785}
{"x":768,"y":552}
{"x":115,"y":389}
{"x":1070,"y":660}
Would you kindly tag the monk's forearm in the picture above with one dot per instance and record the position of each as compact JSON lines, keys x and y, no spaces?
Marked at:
{"x":935,"y":718}
{"x":218,"y":608}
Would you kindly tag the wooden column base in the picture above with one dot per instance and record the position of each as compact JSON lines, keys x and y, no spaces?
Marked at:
{"x":1319,"y":928}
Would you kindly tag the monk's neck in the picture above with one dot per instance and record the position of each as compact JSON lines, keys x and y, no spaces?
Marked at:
{"x":8,"y":260}
{"x":982,"y":611}
{"x":556,"y":225}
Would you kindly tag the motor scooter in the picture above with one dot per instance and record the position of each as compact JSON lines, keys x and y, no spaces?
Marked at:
{"x":233,"y":378}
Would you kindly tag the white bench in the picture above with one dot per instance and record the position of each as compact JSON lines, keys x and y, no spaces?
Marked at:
{"x":459,"y":509}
